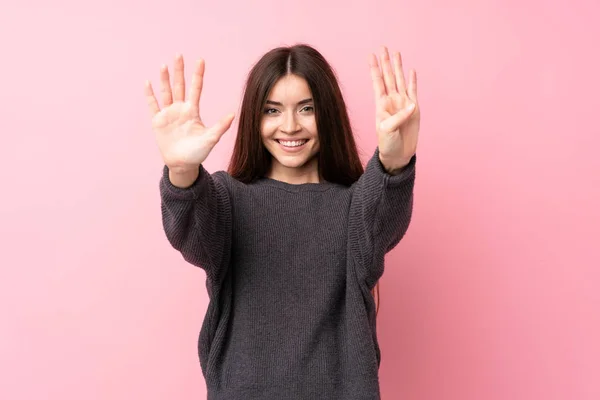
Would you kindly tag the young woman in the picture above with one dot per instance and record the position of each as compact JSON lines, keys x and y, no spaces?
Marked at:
{"x":293,"y":236}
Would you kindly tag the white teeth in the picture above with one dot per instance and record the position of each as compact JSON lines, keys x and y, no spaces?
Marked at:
{"x":294,"y":143}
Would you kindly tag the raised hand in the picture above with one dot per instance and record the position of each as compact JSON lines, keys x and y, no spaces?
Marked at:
{"x":397,"y":111}
{"x":183,"y":139}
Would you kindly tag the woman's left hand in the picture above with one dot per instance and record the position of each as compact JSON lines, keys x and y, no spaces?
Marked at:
{"x":397,"y":111}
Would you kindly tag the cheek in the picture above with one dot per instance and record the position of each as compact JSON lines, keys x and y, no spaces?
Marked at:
{"x":310,"y":124}
{"x":268,"y":127}
{"x":313,"y":128}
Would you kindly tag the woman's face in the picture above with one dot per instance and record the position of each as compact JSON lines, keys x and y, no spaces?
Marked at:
{"x":288,"y":127}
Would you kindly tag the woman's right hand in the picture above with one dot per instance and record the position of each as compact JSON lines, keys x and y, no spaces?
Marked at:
{"x":183,"y":140}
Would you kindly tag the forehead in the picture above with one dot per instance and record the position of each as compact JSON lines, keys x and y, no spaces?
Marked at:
{"x":290,"y":89}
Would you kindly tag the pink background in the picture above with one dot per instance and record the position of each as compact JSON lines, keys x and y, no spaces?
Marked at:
{"x":493,"y":294}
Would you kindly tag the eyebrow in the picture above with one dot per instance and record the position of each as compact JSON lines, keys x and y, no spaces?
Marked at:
{"x":276,"y":103}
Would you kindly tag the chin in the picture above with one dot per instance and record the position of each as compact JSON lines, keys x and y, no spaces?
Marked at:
{"x":293,"y":161}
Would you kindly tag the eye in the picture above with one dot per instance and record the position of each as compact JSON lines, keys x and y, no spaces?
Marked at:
{"x":270,"y":110}
{"x":308,"y":109}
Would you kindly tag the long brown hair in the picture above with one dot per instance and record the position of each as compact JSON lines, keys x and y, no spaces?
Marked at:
{"x":338,"y":159}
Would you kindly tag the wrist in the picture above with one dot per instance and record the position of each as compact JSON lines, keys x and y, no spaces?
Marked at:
{"x":393,"y":166}
{"x":183,"y":178}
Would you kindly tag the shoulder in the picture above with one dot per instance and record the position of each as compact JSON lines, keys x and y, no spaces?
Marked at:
{"x":277,"y":188}
{"x":233,"y":186}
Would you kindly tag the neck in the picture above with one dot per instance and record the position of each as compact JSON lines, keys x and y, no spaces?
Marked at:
{"x":308,"y":173}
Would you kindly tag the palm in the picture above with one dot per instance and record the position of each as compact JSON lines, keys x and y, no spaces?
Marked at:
{"x":183,"y":140}
{"x":397,"y":125}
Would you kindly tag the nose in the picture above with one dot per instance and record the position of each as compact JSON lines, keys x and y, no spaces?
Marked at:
{"x":290,"y":124}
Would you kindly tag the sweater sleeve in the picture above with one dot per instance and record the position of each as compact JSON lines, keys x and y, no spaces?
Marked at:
{"x":197,"y":221}
{"x":380,"y":213}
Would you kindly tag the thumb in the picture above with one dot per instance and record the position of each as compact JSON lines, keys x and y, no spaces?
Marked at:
{"x":221,"y":126}
{"x":392,"y":123}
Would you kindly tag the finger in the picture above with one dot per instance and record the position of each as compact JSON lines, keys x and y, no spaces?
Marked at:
{"x":395,"y":121}
{"x":376,"y":77}
{"x":196,"y":88}
{"x":151,"y":99}
{"x":399,"y":72}
{"x":388,"y":73}
{"x":412,"y":85}
{"x":167,"y":95}
{"x":218,"y":129}
{"x":178,"y":79}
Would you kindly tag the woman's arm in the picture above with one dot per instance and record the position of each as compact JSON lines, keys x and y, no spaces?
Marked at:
{"x":380,"y":214}
{"x":197,"y":220}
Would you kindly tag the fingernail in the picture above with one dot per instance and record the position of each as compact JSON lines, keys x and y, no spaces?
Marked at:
{"x":410,"y":106}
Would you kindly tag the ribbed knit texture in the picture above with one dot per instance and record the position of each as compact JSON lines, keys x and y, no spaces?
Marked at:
{"x":289,"y":272}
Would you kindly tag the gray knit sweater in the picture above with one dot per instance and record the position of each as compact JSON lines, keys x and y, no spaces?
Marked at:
{"x":289,"y":269}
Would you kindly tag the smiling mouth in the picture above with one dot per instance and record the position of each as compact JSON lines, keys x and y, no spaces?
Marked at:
{"x":292,"y":143}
